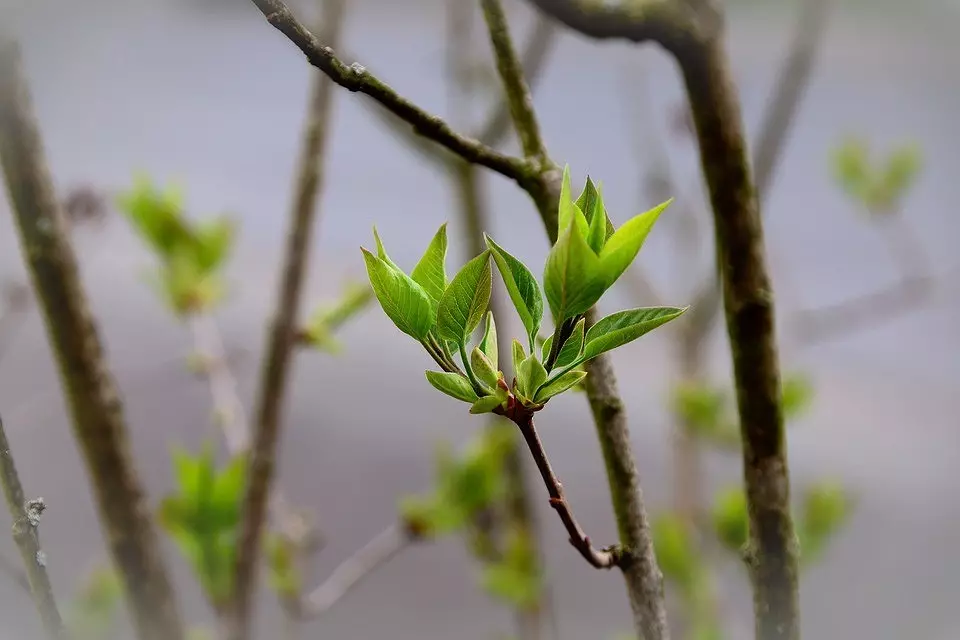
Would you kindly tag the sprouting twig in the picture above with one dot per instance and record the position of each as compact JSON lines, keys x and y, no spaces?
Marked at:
{"x":26,"y":518}
{"x":376,"y":553}
{"x":282,"y":334}
{"x":356,"y":78}
{"x":92,"y":398}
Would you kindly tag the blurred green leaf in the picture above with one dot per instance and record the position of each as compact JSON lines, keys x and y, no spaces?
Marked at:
{"x":284,"y":575}
{"x":826,"y":508}
{"x":94,"y":610}
{"x":730,"y":518}
{"x":675,"y":550}
{"x":515,"y":578}
{"x":797,"y":394}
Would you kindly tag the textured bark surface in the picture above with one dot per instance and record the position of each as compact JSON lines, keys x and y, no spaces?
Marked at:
{"x":749,"y":307}
{"x":93,"y":403}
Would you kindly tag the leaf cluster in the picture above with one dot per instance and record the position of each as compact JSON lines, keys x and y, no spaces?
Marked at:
{"x":590,"y":254}
{"x":191,"y":254}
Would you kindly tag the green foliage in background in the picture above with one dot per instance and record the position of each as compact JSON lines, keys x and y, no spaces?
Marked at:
{"x":94,"y":610}
{"x":442,"y":314}
{"x":877,"y":185}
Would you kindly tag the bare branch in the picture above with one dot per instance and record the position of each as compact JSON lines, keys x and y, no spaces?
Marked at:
{"x":26,"y":518}
{"x":375,"y":554}
{"x":640,"y":21}
{"x":816,"y":325}
{"x":282,"y":333}
{"x":356,"y":78}
{"x":518,"y":97}
{"x":94,"y":405}
{"x":599,"y":559}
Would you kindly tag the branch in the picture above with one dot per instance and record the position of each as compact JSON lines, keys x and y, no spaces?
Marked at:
{"x":357,"y":79}
{"x":638,"y":21}
{"x":518,"y":97}
{"x":793,"y":79}
{"x":93,"y":401}
{"x":375,"y":554}
{"x":26,"y":518}
{"x":598,"y":559}
{"x":815,"y":325}
{"x":282,"y":334}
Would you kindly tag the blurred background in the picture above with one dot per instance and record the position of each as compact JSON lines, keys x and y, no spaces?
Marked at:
{"x":206,"y":95}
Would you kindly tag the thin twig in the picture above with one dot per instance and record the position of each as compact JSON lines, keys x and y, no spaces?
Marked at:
{"x":26,"y":518}
{"x":375,"y":554}
{"x":356,"y":78}
{"x":597,"y":558}
{"x":282,"y":333}
{"x":95,"y":408}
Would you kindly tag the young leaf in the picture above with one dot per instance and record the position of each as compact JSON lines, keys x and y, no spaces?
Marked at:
{"x":403,"y":300}
{"x":382,"y":253}
{"x":486,"y":404}
{"x":430,"y":273}
{"x":465,"y":300}
{"x":521,"y":286}
{"x":625,"y":243}
{"x":625,"y":326}
{"x":572,"y":348}
{"x":545,"y":349}
{"x":559,"y":384}
{"x":530,"y":376}
{"x":573,"y":277}
{"x":591,"y":203}
{"x":483,"y":368}
{"x":489,"y":342}
{"x":453,"y":384}
{"x":518,"y":357}
{"x":569,"y":213}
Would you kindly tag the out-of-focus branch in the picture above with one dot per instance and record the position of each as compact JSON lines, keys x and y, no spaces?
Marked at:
{"x":379,"y":551}
{"x":816,"y":325}
{"x":26,"y":518}
{"x":356,"y":78}
{"x":92,"y":397}
{"x":283,"y":332}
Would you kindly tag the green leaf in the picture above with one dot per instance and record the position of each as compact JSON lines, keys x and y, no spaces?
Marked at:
{"x":572,"y":348}
{"x":796,"y":395}
{"x":486,"y":404}
{"x":730,"y":518}
{"x":521,"y":286}
{"x":518,"y":356}
{"x":430,"y":273}
{"x":454,"y":385}
{"x":382,"y":253}
{"x":465,"y":300}
{"x":626,"y":326}
{"x":569,"y":213}
{"x":545,"y":349}
{"x":489,"y":342}
{"x":675,"y":550}
{"x":623,"y":246}
{"x":573,"y":278}
{"x":591,"y":203}
{"x":214,"y":241}
{"x":483,"y":368}
{"x":403,"y":300}
{"x":531,"y":375}
{"x":559,"y":384}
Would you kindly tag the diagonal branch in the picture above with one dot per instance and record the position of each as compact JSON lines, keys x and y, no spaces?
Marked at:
{"x":637,"y":21}
{"x":97,"y":414}
{"x":26,"y":518}
{"x":282,"y":333}
{"x":357,"y":79}
{"x":379,"y":551}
